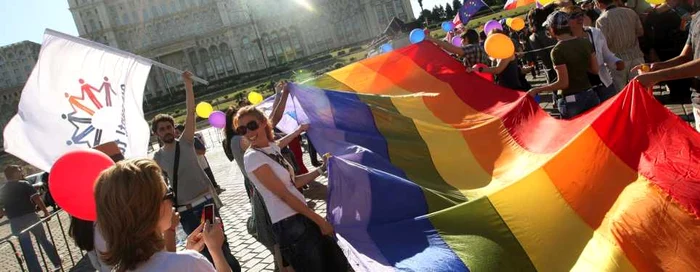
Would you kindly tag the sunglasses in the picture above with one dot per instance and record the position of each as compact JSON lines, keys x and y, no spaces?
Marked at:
{"x":252,"y":126}
{"x":169,"y":195}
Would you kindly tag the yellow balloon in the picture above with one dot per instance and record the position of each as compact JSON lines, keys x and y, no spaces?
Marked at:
{"x":255,"y":98}
{"x":499,"y":46}
{"x":204,"y":109}
{"x":509,"y":21}
{"x":545,"y":2}
{"x":656,"y":2}
{"x":517,"y":24}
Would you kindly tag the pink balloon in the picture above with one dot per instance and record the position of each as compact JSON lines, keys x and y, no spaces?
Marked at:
{"x":491,"y":25}
{"x":457,"y":41}
{"x":217,"y":119}
{"x":487,"y":76}
{"x":72,"y":180}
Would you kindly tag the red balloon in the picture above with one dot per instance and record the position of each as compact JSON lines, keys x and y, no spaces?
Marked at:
{"x":72,"y":180}
{"x":486,"y":76}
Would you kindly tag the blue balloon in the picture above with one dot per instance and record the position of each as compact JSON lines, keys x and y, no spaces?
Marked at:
{"x":447,"y":26}
{"x":537,"y":98}
{"x":386,"y":48}
{"x":417,"y":35}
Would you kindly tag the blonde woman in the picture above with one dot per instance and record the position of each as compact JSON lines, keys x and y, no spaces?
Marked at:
{"x":135,"y":214}
{"x":304,"y":237}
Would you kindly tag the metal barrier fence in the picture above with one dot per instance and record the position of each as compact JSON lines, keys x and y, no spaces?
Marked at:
{"x":56,"y":228}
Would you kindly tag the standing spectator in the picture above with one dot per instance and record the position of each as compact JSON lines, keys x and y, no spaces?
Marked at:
{"x":540,"y":41}
{"x":471,"y":51}
{"x":17,"y":201}
{"x":622,"y":29}
{"x":193,"y":189}
{"x":201,"y":150}
{"x":573,"y":58}
{"x":607,"y":61}
{"x":666,"y":36}
{"x":685,"y":65}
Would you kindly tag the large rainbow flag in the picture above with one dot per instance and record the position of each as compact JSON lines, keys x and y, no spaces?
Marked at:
{"x":438,"y":170}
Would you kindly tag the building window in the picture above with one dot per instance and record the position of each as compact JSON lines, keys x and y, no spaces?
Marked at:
{"x":93,"y":26}
{"x":226,"y":54}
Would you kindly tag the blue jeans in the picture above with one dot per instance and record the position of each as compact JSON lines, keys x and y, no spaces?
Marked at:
{"x":191,"y":219}
{"x":605,"y":93}
{"x":18,"y":224}
{"x":304,"y":247}
{"x":583,"y":101}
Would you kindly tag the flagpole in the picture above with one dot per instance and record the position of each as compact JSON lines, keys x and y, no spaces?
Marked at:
{"x":120,"y":52}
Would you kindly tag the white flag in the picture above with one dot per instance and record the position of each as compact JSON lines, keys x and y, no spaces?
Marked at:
{"x":79,"y":95}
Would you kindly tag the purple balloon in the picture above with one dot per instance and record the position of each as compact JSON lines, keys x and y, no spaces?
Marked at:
{"x":491,"y":25}
{"x":457,"y":41}
{"x":217,"y":119}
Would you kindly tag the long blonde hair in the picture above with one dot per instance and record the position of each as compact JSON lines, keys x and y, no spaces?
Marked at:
{"x":257,"y":114}
{"x":129,"y":196}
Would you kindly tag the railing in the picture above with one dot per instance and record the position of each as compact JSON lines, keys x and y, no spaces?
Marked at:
{"x":12,"y":258}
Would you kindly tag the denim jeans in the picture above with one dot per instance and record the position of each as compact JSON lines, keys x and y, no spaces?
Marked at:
{"x":583,"y":101}
{"x":191,"y":219}
{"x":695,"y":99}
{"x":19,"y":224}
{"x":605,"y":93}
{"x":303,"y":245}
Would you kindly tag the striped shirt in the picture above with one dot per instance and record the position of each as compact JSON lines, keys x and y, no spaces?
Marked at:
{"x":622,"y":29}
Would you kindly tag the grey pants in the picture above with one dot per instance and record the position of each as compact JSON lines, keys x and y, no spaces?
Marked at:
{"x":19,"y":224}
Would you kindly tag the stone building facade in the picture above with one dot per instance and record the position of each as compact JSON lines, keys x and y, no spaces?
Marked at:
{"x":221,"y":38}
{"x":16,"y":63}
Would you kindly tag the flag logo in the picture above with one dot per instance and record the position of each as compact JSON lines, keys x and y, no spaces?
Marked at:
{"x":94,"y":116}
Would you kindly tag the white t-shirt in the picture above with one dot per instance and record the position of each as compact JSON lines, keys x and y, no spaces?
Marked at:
{"x":100,"y":246}
{"x":254,"y":159}
{"x":186,"y":260}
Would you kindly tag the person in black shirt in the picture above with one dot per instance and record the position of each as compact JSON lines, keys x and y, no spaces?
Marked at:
{"x":17,"y":202}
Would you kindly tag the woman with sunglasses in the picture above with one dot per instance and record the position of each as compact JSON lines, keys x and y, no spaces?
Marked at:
{"x":301,"y":233}
{"x":236,"y":145}
{"x":135,"y":215}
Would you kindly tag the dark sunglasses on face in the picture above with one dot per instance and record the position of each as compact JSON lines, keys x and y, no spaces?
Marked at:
{"x":169,"y":195}
{"x":252,"y":126}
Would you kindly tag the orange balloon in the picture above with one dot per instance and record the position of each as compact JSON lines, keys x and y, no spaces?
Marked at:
{"x":499,"y":46}
{"x":517,"y":24}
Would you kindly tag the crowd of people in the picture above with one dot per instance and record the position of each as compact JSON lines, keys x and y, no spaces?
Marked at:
{"x":588,"y":52}
{"x":591,"y":50}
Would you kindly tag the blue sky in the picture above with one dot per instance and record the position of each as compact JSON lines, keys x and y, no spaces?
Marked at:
{"x":27,"y":19}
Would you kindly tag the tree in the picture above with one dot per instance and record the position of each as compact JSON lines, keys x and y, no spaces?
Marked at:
{"x":425,"y":15}
{"x":435,"y":14}
{"x":456,"y":5}
{"x":424,"y":18}
{"x":441,"y":13}
{"x":448,"y":11}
